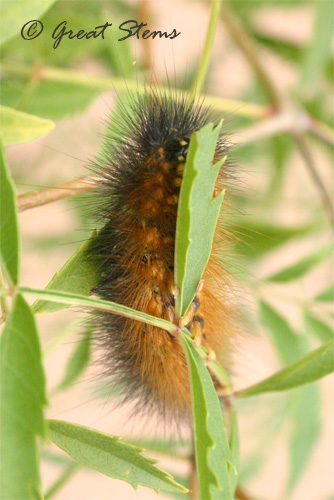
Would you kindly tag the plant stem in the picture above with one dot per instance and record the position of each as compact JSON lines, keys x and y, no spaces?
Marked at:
{"x":322,"y":131}
{"x":59,"y":483}
{"x":72,"y":299}
{"x":247,"y":45}
{"x":205,"y":58}
{"x":59,"y":192}
{"x":46,"y":73}
{"x":144,"y":13}
{"x":311,"y":167}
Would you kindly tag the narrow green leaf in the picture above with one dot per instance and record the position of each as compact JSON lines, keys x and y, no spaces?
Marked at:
{"x":9,"y":232}
{"x":234,"y":443}
{"x":315,"y":365}
{"x":22,"y":397}
{"x":175,"y":448}
{"x":197,"y":214}
{"x":17,"y":126}
{"x":110,"y":456}
{"x":285,"y":340}
{"x":305,"y":430}
{"x":302,"y":266}
{"x":320,"y":48}
{"x":317,"y":327}
{"x":213,"y":454}
{"x":327,"y":295}
{"x":304,"y":402}
{"x":67,"y":100}
{"x":15,"y":14}
{"x":78,"y":361}
{"x":181,"y":480}
{"x":259,"y":236}
{"x":77,"y":275}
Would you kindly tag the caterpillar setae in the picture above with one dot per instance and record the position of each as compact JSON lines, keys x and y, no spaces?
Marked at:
{"x":138,"y":183}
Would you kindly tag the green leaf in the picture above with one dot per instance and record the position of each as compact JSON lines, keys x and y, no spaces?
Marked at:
{"x":327,"y":295}
{"x":286,"y":341}
{"x":9,"y":231}
{"x":259,"y":236}
{"x":317,"y":327}
{"x":181,"y":480}
{"x":110,"y":456}
{"x":77,"y":275}
{"x":315,"y":365}
{"x":320,"y":49}
{"x":175,"y":448}
{"x":197,"y":214}
{"x":213,"y":454}
{"x":302,"y":266}
{"x":78,"y":362}
{"x":17,"y":126}
{"x":15,"y":14}
{"x":67,"y":100}
{"x":22,"y":397}
{"x":305,"y":430}
{"x":304,"y":402}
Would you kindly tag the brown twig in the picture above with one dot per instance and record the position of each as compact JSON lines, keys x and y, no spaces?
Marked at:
{"x":144,"y":15}
{"x":310,"y":165}
{"x":322,"y":132}
{"x":246,"y":44}
{"x":50,"y":194}
{"x":193,"y":484}
{"x":281,"y":122}
{"x":240,"y":493}
{"x":248,"y":47}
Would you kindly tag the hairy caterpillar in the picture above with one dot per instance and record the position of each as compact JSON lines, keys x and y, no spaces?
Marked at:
{"x":139,"y":178}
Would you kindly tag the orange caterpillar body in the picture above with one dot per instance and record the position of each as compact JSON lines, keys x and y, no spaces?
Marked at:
{"x":140,"y":176}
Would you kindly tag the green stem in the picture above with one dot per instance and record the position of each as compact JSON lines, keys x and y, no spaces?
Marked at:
{"x":205,"y":58}
{"x":46,"y":73}
{"x":59,"y":483}
{"x":120,"y":310}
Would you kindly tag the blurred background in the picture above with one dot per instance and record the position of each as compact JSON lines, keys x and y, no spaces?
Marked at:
{"x":271,"y":78}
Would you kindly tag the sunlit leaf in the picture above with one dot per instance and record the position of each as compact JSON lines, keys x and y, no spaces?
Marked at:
{"x":17,"y":126}
{"x":77,"y":275}
{"x":15,"y":14}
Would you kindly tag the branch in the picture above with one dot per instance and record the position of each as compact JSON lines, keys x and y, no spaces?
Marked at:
{"x":50,"y":194}
{"x":248,"y":47}
{"x":322,"y":131}
{"x":281,"y":122}
{"x":46,"y":73}
{"x":311,"y":167}
{"x":205,"y":57}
